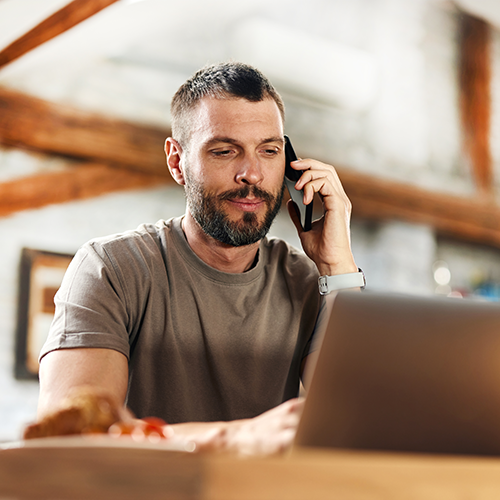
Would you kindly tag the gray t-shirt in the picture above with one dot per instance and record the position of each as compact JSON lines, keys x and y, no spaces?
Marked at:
{"x":202,"y":345}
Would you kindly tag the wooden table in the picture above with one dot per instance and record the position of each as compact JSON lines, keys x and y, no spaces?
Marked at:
{"x":78,"y":468}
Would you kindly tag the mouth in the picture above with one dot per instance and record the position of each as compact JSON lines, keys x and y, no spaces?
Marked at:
{"x":247,"y":204}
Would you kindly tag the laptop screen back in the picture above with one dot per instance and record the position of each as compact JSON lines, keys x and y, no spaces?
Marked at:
{"x":406,"y":373}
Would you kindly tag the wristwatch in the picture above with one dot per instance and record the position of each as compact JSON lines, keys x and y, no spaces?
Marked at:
{"x":329,"y":284}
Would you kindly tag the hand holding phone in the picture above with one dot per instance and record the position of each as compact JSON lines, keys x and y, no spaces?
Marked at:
{"x":297,"y":196}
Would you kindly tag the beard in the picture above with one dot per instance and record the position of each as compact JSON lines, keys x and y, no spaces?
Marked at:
{"x":207,"y":210}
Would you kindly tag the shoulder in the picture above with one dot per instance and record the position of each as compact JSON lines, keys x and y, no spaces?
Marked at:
{"x":126,"y":261}
{"x":136,"y":252}
{"x":144,"y":242}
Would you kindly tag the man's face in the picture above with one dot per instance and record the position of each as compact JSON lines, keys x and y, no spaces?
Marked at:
{"x":234,"y":168}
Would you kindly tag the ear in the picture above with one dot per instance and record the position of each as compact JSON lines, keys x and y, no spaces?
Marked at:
{"x":173,"y":150}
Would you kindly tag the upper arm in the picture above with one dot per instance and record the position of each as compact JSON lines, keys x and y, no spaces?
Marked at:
{"x":64,"y":369}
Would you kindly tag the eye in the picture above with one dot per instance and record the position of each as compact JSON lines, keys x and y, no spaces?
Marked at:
{"x":270,"y":151}
{"x":221,"y":153}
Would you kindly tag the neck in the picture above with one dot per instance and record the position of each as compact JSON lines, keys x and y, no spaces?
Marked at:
{"x":218,"y":255}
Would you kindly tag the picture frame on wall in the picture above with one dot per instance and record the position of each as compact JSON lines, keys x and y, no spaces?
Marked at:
{"x":40,"y":275}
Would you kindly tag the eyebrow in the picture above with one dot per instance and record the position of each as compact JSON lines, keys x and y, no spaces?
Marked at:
{"x":230,"y":140}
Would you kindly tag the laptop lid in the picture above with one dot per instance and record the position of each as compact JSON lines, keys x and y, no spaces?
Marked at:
{"x":406,"y":373}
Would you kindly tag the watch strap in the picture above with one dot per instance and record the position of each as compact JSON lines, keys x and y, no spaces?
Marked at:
{"x":329,"y":284}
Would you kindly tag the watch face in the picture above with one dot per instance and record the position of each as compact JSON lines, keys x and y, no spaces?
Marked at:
{"x":323,"y":285}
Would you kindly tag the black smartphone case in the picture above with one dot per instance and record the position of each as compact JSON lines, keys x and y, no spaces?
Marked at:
{"x":291,"y":177}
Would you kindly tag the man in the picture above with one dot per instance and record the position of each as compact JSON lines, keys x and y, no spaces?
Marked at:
{"x":202,"y":320}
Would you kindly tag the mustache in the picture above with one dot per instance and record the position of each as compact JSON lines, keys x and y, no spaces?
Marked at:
{"x":246,"y":191}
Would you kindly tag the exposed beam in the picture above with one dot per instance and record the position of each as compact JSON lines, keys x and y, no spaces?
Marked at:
{"x":74,"y":183}
{"x":33,"y":123}
{"x":68,"y":16}
{"x":475,"y":97}
{"x":464,"y":218}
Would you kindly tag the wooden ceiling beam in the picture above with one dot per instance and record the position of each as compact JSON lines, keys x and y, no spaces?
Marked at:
{"x":464,"y":218}
{"x":65,"y":18}
{"x":32,"y":123}
{"x":475,"y":98}
{"x":74,"y":183}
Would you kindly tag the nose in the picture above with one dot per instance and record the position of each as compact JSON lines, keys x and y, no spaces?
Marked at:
{"x":249,"y":171}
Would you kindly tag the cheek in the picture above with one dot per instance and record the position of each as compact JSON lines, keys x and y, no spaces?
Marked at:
{"x":212,"y":176}
{"x":193,"y":169}
{"x":277,"y":180}
{"x":205,"y":179}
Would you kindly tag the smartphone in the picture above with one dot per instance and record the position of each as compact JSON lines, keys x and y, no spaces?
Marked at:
{"x":297,"y":196}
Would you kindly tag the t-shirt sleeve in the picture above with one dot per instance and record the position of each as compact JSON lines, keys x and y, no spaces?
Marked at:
{"x":91,"y":305}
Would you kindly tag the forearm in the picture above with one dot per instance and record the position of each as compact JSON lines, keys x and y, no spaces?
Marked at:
{"x":105,"y":371}
{"x":267,"y":434}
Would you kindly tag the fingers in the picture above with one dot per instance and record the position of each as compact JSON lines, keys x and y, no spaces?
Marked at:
{"x":271,"y":433}
{"x":284,"y":416}
{"x":292,"y":406}
{"x":309,"y":164}
{"x":328,"y":243}
{"x":318,"y":177}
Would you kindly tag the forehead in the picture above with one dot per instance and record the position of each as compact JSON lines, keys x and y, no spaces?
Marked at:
{"x":236,"y":118}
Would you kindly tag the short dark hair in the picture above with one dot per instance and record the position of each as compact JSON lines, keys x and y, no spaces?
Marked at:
{"x":229,"y":80}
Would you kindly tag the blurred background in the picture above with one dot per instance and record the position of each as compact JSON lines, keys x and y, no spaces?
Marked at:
{"x":402,"y":96}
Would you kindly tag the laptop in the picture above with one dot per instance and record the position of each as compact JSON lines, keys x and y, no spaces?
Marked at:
{"x":406,"y":373}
